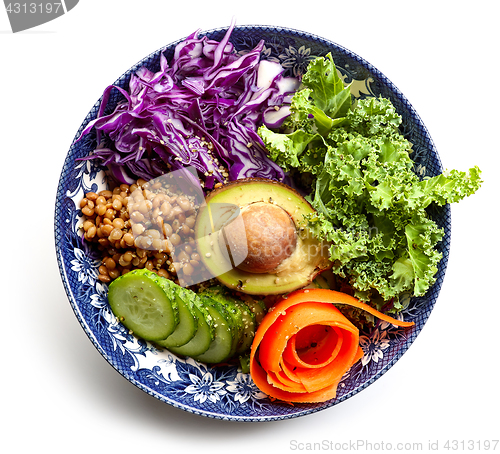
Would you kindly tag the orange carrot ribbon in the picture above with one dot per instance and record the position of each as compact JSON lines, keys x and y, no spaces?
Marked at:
{"x":305,"y":345}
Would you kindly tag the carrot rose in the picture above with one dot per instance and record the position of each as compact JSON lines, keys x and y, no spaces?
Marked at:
{"x":305,"y":345}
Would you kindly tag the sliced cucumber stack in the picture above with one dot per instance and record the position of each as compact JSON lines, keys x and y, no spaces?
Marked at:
{"x":210,"y":327}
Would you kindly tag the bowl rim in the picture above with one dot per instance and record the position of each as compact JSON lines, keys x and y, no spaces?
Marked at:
{"x":58,"y":220}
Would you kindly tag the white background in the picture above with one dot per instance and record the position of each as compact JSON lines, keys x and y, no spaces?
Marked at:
{"x":57,"y":392}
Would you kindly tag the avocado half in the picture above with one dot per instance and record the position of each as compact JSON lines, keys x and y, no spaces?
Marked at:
{"x":253,"y":237}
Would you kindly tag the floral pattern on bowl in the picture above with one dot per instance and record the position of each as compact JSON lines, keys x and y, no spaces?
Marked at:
{"x":226,"y":392}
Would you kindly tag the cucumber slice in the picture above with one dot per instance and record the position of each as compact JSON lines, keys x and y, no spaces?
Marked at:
{"x":248,"y":333}
{"x":245,"y":363}
{"x":237,"y":323}
{"x":142,"y":305}
{"x":204,"y":336}
{"x":233,"y":308}
{"x":257,"y":307}
{"x":221,"y":348}
{"x":188,"y":320}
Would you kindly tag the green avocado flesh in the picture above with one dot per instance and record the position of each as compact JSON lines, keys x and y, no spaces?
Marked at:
{"x":224,"y":205}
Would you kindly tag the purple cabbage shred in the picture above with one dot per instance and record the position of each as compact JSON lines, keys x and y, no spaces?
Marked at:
{"x":201,"y":110}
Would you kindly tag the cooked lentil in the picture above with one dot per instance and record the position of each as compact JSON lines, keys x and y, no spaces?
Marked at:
{"x":140,"y":226}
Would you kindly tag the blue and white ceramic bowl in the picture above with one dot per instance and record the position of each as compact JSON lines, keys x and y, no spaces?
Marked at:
{"x":225,"y":392}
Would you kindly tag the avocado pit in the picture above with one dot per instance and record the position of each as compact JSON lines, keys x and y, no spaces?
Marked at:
{"x":268,"y":238}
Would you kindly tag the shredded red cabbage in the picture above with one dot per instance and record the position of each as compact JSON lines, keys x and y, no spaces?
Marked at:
{"x":201,"y":110}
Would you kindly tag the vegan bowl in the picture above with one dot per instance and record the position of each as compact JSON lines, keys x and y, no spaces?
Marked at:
{"x":88,"y":187}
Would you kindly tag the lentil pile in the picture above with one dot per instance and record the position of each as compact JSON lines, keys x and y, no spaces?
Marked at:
{"x":143,"y":225}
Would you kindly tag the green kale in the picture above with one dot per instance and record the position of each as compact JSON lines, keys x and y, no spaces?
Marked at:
{"x":371,"y":206}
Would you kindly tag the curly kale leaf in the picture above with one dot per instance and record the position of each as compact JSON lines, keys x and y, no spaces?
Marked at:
{"x":370,"y":205}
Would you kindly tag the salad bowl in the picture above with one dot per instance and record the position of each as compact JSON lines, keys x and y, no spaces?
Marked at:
{"x":225,"y":392}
